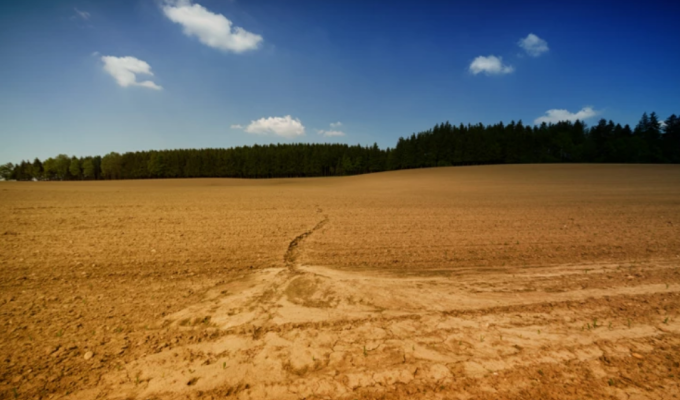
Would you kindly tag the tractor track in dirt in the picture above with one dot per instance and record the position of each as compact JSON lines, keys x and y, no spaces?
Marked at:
{"x":293,"y":253}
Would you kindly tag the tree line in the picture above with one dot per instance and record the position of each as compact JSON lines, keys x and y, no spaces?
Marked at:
{"x":651,"y":141}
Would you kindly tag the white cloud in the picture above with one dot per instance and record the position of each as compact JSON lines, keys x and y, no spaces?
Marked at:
{"x":533,"y":45}
{"x":211,"y":29}
{"x":237,"y":126}
{"x":82,"y":14}
{"x":124,"y":70}
{"x":330,"y":133}
{"x":555,"y":115}
{"x":490,"y":65}
{"x":280,"y":126}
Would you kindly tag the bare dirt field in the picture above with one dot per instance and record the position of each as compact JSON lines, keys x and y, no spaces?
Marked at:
{"x":490,"y":282}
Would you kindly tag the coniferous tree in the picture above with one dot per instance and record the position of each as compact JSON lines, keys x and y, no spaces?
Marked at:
{"x":23,"y":171}
{"x":671,"y":139}
{"x":37,"y":169}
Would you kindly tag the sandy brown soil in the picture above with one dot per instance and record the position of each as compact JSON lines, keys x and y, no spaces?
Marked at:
{"x":494,"y":282}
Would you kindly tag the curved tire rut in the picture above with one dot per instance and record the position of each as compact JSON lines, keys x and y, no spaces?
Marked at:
{"x":292,"y":256}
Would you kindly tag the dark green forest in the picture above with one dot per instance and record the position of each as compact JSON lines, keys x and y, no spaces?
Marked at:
{"x":651,"y":141}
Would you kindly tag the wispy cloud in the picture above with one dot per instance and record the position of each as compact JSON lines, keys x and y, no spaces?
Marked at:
{"x":280,"y":126}
{"x":237,"y":126}
{"x":490,"y":65}
{"x":84,"y":15}
{"x":211,"y":29}
{"x":533,"y":45}
{"x":330,"y":133}
{"x":557,"y":115}
{"x":125,"y":70}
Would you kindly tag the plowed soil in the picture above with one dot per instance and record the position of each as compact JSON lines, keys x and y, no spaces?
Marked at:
{"x":491,"y":282}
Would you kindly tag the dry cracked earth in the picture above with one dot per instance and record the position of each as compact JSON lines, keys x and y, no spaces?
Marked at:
{"x":492,"y":282}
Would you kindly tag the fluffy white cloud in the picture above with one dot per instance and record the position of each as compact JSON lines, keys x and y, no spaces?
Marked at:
{"x":554,"y":115}
{"x":490,"y":65}
{"x":533,"y":45}
{"x":82,"y":14}
{"x":211,"y":29}
{"x":281,"y":126}
{"x":125,"y":70}
{"x":330,"y":133}
{"x":237,"y":126}
{"x":336,"y":124}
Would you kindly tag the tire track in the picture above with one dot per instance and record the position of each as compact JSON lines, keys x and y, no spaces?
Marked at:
{"x":294,"y":251}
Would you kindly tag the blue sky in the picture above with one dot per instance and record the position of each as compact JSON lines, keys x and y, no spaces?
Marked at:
{"x":73,"y":76}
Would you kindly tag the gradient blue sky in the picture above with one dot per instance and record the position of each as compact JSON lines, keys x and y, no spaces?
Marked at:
{"x":383,"y":69}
